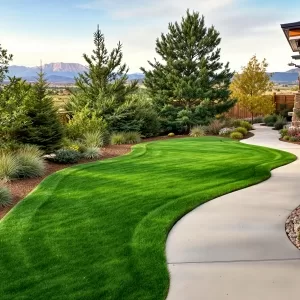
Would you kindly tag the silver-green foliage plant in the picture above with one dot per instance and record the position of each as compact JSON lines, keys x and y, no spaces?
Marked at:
{"x":197,"y":131}
{"x":9,"y":166}
{"x":5,"y":197}
{"x":92,"y":153}
{"x":93,"y":138}
{"x":31,"y":163}
{"x":226,"y":131}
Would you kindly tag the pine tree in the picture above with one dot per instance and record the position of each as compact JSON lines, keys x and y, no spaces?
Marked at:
{"x":44,"y":128}
{"x":189,"y":71}
{"x":5,"y":58}
{"x":105,"y":85}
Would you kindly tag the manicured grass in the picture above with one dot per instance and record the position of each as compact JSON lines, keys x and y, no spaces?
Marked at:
{"x":98,"y":231}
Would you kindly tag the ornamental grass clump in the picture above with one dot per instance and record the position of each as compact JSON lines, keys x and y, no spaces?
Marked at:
{"x":31,"y":163}
{"x":214,"y":127}
{"x":92,"y":153}
{"x":9,"y":166}
{"x":118,"y":138}
{"x":5,"y":197}
{"x":197,"y":131}
{"x":132,"y":137}
{"x":93,"y":139}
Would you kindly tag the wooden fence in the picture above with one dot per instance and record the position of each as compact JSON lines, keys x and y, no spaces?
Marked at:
{"x":281,"y":102}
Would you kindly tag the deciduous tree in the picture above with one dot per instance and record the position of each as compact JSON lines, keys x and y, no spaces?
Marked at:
{"x":250,"y":88}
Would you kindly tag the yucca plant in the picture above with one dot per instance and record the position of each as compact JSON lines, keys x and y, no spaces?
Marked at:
{"x":197,"y":131}
{"x":91,"y":153}
{"x":132,"y":137}
{"x":9,"y":166}
{"x":5,"y":197}
{"x":118,"y":138}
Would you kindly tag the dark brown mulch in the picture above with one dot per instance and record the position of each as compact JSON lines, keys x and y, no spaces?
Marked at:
{"x":22,"y":187}
{"x":297,"y":143}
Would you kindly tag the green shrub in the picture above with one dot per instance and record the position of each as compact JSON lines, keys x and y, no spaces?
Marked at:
{"x":76,"y":145}
{"x":279,"y":124}
{"x":83,"y":122}
{"x":132,"y":137}
{"x":236,"y":135}
{"x":246,"y":125}
{"x":9,"y":166}
{"x":284,"y":132}
{"x":214,"y":127}
{"x":5,"y":197}
{"x":93,"y":139}
{"x":118,"y":138}
{"x":171,"y":134}
{"x":286,"y":138}
{"x":66,"y":156}
{"x":91,"y":153}
{"x":237,"y":123}
{"x":294,"y":139}
{"x":31,"y":163}
{"x":257,"y":120}
{"x":270,"y":120}
{"x":197,"y":131}
{"x":241,"y":130}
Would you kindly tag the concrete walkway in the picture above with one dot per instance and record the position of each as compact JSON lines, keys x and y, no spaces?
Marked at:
{"x":235,"y":247}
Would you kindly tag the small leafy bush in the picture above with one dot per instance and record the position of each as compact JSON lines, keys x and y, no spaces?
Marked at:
{"x":66,"y":156}
{"x":257,"y":120}
{"x":91,"y":153}
{"x":132,"y":137}
{"x":286,"y":138}
{"x":236,"y":135}
{"x":9,"y":166}
{"x":270,"y":120}
{"x":237,"y":123}
{"x":279,"y":124}
{"x":214,"y":127}
{"x":93,"y":138}
{"x":118,"y":138}
{"x":226,"y":131}
{"x":294,"y":139}
{"x":171,"y":134}
{"x":241,"y":130}
{"x":284,"y":132}
{"x":5,"y":197}
{"x":197,"y":131}
{"x":246,"y":125}
{"x":293,"y":131}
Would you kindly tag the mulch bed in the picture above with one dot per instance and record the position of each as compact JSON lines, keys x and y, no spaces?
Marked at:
{"x":22,"y":187}
{"x":292,"y":227}
{"x":297,"y":143}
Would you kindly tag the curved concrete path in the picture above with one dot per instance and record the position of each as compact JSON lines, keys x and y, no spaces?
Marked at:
{"x":235,"y":246}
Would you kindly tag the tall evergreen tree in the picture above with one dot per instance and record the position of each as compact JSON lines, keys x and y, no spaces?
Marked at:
{"x":189,"y":72}
{"x":105,"y":85}
{"x":5,"y":58}
{"x":44,"y":128}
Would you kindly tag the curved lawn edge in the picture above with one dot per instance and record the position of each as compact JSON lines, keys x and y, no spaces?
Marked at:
{"x":148,"y":249}
{"x":161,"y":222}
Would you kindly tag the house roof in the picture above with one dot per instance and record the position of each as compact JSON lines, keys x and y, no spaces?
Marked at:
{"x":292,"y":34}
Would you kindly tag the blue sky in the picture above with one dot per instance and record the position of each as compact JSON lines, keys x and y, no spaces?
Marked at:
{"x":55,"y":31}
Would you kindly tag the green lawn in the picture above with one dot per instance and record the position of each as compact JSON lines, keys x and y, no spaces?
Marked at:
{"x":98,"y":231}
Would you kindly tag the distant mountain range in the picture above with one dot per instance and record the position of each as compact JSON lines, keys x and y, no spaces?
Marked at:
{"x":64,"y":73}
